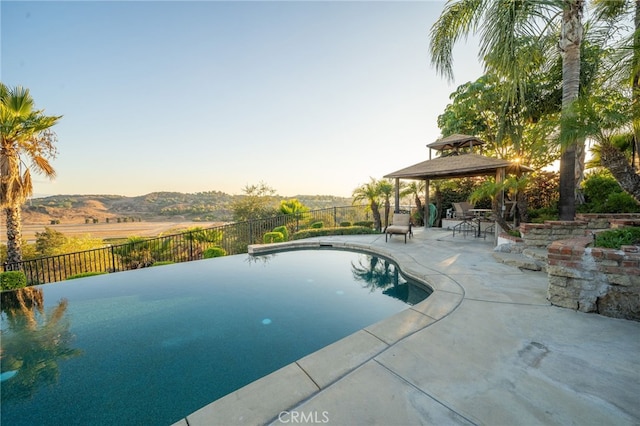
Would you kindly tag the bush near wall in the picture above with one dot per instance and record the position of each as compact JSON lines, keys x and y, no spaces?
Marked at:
{"x":616,"y":238}
{"x":212,"y":252}
{"x":366,"y":224}
{"x":273,"y":237}
{"x":323,"y":232}
{"x":85,"y":274}
{"x":283,"y":230}
{"x":164,"y":262}
{"x":12,"y":280}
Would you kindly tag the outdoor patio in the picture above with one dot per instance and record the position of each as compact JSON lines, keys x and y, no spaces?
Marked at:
{"x":485,"y":348}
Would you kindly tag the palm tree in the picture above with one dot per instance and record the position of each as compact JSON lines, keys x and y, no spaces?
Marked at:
{"x":370,"y":192}
{"x":629,"y":57}
{"x":386,"y":190}
{"x":26,"y":132}
{"x":415,"y":188}
{"x":491,"y":189}
{"x":503,"y":23}
{"x":603,"y":116}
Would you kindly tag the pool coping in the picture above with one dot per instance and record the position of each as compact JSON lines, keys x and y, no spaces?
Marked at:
{"x":299,"y":381}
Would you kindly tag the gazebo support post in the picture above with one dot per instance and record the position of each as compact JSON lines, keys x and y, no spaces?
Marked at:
{"x":427,"y":203}
{"x":397,"y":207}
{"x":500,"y":176}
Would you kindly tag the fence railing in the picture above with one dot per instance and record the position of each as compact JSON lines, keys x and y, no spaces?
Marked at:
{"x":233,"y":238}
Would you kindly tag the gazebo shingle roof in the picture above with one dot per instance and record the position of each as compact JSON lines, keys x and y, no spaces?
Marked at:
{"x":454,"y":142}
{"x":455,"y":166}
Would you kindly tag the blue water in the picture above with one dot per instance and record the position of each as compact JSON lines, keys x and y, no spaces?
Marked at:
{"x":151,"y":346}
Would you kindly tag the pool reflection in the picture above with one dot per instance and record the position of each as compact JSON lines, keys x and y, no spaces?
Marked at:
{"x":378,"y":273}
{"x":33,"y":341}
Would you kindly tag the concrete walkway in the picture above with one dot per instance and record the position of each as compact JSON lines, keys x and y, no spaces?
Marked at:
{"x":485,"y":348}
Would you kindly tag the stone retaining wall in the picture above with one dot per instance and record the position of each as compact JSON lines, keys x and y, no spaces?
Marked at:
{"x":609,"y":220}
{"x":589,"y":279}
{"x":540,"y":235}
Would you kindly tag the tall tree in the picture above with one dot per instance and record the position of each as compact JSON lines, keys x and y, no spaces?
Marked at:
{"x":570,"y":40}
{"x":518,"y":132}
{"x":257,"y":202}
{"x":26,"y":135}
{"x":503,"y":23}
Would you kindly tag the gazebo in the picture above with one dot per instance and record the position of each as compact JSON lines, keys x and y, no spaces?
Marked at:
{"x":454,"y":166}
{"x":453,"y":143}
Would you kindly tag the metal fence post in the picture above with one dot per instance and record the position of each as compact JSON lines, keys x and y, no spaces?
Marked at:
{"x":113,"y":260}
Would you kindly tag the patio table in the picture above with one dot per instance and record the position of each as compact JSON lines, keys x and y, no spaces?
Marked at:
{"x":479,"y":215}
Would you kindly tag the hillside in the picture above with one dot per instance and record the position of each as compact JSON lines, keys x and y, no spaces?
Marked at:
{"x":211,"y":206}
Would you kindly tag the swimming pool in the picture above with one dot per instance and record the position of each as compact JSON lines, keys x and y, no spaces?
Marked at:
{"x":151,"y":346}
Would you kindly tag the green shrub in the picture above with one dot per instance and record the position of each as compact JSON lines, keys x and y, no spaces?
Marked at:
{"x":11,"y":280}
{"x":345,"y":224}
{"x":213,"y":252}
{"x":514,"y":233}
{"x":84,"y":274}
{"x":283,"y":230}
{"x":620,"y":202}
{"x":317,"y":225}
{"x":542,"y":214}
{"x":322,"y":232}
{"x":603,"y":194}
{"x":615,"y":238}
{"x":365,"y":223}
{"x":273,"y":237}
{"x":164,"y":262}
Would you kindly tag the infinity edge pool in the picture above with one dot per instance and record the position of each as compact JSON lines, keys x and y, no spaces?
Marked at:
{"x":300,"y":380}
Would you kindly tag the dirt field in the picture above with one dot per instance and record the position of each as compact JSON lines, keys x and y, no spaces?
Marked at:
{"x":107,"y":230}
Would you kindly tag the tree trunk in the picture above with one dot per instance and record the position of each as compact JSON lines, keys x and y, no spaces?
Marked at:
{"x":617,"y":164}
{"x":635,"y":89}
{"x":523,"y":206}
{"x":497,"y":214}
{"x":377,"y":222}
{"x":570,"y":40}
{"x":581,"y":153}
{"x":387,"y":209}
{"x":419,"y":210}
{"x":14,"y":235}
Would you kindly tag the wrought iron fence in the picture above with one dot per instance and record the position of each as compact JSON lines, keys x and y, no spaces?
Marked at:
{"x":233,"y":238}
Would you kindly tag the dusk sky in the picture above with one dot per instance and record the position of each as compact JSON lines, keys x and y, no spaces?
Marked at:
{"x":307,"y":97}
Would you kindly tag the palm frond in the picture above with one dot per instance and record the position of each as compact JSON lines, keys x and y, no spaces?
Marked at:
{"x":27,"y":184}
{"x":458,"y":19}
{"x":42,"y":165}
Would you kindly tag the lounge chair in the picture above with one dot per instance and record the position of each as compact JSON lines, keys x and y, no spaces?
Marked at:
{"x":400,"y":224}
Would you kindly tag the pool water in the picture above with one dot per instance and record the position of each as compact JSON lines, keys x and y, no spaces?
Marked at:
{"x":151,"y":346}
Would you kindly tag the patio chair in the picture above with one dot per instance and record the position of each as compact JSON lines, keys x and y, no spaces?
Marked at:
{"x":462,"y":210}
{"x":400,"y":224}
{"x":462,"y":213}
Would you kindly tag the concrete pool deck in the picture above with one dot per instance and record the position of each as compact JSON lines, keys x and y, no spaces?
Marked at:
{"x":485,"y":348}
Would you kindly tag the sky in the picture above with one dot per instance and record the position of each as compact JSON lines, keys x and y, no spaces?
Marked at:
{"x":306,"y":97}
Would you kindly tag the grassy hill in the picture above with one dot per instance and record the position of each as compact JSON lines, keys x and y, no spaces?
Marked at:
{"x":213,"y":206}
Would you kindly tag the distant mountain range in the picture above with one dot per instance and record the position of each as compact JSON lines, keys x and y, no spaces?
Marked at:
{"x":211,"y":206}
